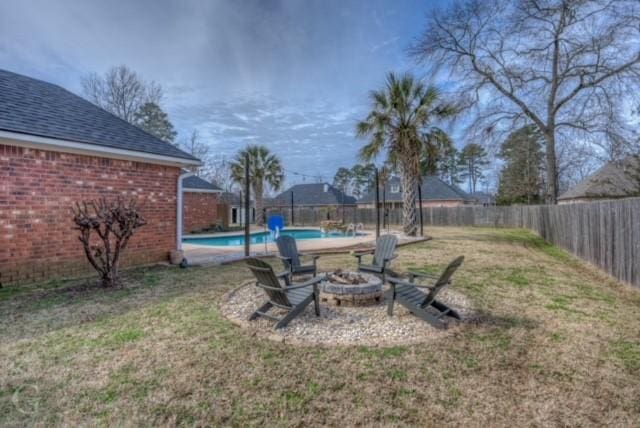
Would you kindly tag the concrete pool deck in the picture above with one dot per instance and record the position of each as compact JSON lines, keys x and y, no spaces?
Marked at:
{"x":197,"y":254}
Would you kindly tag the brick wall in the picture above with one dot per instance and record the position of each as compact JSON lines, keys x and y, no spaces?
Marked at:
{"x":200,"y":210}
{"x":37,"y":190}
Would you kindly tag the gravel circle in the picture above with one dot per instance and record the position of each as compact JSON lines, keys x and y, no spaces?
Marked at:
{"x":343,"y":325}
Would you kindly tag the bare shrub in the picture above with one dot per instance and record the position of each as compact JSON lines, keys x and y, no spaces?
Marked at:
{"x":105,"y":229}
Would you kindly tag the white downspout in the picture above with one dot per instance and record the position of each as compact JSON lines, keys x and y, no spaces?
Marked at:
{"x":179,"y":209}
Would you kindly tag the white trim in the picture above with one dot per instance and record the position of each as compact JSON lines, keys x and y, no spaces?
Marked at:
{"x":46,"y":143}
{"x":190,"y":190}
{"x":179,"y":202}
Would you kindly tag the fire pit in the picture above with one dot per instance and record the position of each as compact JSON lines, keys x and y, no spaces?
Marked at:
{"x":351,"y":289}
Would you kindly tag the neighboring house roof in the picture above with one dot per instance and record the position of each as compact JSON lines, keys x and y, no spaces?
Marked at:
{"x":483,"y":197}
{"x":41,"y":109}
{"x":616,"y":179}
{"x":232,"y":199}
{"x":312,"y":194}
{"x":195,"y":183}
{"x":433,"y":189}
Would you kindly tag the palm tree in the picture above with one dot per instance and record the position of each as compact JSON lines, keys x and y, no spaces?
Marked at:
{"x":265,"y":170}
{"x":400,"y":121}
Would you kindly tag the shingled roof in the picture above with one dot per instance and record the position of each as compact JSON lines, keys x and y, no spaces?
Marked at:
{"x":196,"y":183}
{"x":42,"y":109}
{"x":312,"y":194}
{"x":433,"y":189}
{"x":617,"y":179}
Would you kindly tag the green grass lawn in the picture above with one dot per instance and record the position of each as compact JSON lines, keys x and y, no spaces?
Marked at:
{"x":558,"y":344}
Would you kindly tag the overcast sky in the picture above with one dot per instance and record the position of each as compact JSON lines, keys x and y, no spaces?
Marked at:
{"x":293,"y":75}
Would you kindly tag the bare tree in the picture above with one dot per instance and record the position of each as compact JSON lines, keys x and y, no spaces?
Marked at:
{"x":570,"y":67}
{"x":201,"y":150}
{"x":218,"y":170}
{"x":121,"y":91}
{"x":105,"y":229}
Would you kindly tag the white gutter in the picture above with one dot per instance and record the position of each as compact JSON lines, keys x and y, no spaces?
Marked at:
{"x":179,"y":209}
{"x":190,"y":190}
{"x":54,"y":144}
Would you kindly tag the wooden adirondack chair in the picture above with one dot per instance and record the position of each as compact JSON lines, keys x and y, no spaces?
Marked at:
{"x":382,"y":255}
{"x":291,"y":257}
{"x":290,"y":297}
{"x":409,"y":295}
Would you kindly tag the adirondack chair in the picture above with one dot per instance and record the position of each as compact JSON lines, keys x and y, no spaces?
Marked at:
{"x":291,"y":257}
{"x":382,"y":255}
{"x":409,"y":295}
{"x":288,"y":296}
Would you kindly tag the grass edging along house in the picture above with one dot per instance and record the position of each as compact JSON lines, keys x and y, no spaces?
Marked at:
{"x":201,"y":200}
{"x":56,"y":149}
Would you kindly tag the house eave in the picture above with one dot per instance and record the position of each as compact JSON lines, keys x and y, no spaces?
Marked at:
{"x":66,"y":146}
{"x":202,"y":190}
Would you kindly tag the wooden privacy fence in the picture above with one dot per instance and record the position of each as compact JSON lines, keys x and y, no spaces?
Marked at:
{"x":606,"y":234}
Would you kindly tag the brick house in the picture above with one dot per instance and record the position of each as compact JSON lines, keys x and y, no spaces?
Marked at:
{"x":201,"y":203}
{"x":435,"y":193}
{"x":57,"y":148}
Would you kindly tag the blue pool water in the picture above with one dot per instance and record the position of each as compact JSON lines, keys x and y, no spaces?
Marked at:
{"x":262,"y":237}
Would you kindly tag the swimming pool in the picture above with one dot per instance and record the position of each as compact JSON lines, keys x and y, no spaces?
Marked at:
{"x":265,"y":237}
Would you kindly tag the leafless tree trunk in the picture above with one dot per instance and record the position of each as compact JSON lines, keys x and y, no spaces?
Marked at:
{"x":570,"y":67}
{"x":105,"y":229}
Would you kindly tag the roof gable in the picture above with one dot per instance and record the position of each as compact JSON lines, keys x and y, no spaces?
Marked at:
{"x":312,"y":194}
{"x":616,"y":179}
{"x":41,"y":109}
{"x":433,"y":189}
{"x":194,"y":182}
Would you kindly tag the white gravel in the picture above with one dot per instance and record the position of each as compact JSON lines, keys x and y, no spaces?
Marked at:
{"x":364,"y":325}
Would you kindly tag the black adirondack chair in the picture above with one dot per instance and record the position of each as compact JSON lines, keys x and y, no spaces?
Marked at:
{"x":288,"y":296}
{"x":291,"y":257}
{"x":382,"y":255}
{"x":409,"y":295}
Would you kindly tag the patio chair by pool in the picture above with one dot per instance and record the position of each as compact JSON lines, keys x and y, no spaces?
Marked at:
{"x":382,"y":255}
{"x":424,"y":305}
{"x":288,"y":296}
{"x":291,"y":257}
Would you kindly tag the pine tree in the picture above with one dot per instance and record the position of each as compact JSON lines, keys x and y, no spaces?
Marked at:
{"x":449,"y":166}
{"x":152,"y":119}
{"x":342,"y":179}
{"x":521,"y":178}
{"x":473,"y":160}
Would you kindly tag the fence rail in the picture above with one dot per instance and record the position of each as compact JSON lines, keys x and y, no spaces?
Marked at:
{"x":606,"y":234}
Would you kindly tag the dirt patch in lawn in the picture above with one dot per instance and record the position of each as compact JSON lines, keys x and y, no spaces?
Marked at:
{"x":344,"y":325}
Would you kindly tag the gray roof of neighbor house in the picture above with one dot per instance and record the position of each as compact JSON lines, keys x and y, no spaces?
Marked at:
{"x":42,"y":109}
{"x":197,"y":183}
{"x":233,"y":199}
{"x":311,"y":194}
{"x":483,"y":197}
{"x":617,"y":179}
{"x":433,"y":189}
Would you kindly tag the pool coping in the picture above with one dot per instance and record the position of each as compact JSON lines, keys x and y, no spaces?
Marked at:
{"x":209,"y":255}
{"x":312,"y":244}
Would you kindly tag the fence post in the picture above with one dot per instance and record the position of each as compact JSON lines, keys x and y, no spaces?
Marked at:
{"x":247,"y":209}
{"x":377,"y":205}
